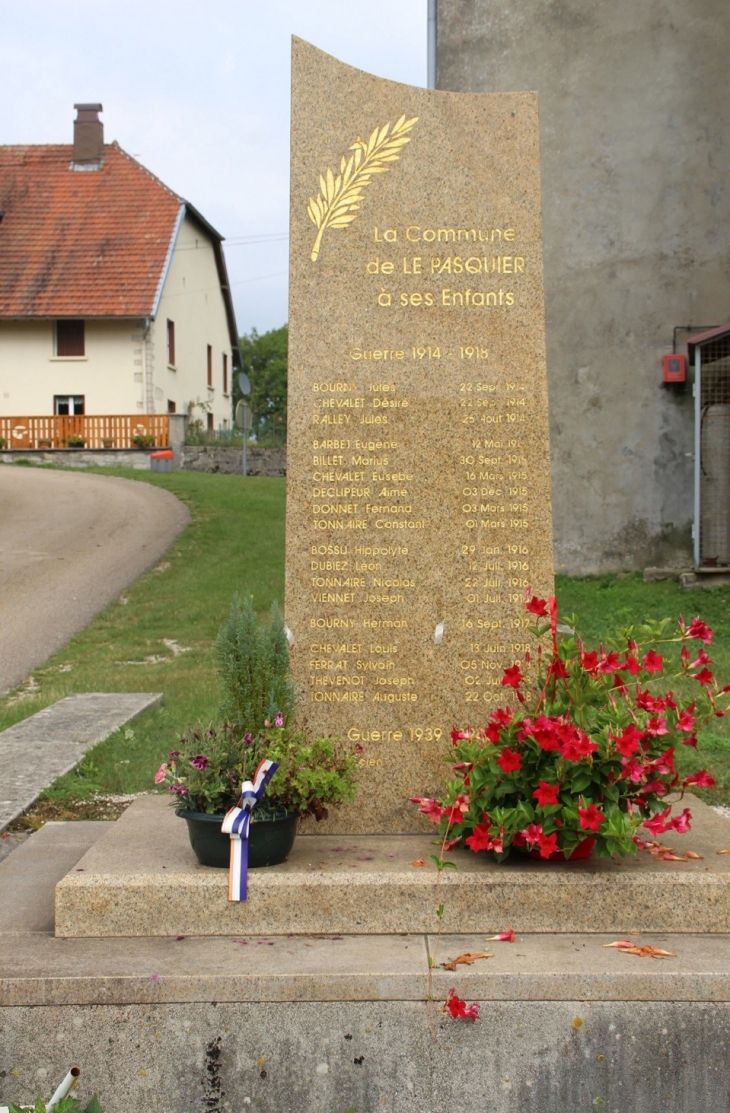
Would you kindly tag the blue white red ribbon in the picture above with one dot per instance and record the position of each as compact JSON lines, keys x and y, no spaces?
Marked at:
{"x":236,"y":824}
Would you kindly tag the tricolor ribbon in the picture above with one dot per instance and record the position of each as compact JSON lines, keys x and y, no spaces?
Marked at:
{"x":236,"y":823}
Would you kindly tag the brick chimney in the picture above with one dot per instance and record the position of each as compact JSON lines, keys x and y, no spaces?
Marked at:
{"x":88,"y":138}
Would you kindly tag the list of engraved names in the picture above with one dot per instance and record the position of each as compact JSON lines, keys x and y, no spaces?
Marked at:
{"x":371,"y":493}
{"x":418,"y":491}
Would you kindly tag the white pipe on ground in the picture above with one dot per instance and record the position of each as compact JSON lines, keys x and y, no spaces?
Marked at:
{"x":65,"y":1088}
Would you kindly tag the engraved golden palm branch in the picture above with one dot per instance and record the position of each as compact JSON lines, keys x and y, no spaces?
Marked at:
{"x":339,"y":197}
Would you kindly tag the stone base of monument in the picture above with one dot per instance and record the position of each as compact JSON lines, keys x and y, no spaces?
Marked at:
{"x":323,"y":1020}
{"x":142,"y":879}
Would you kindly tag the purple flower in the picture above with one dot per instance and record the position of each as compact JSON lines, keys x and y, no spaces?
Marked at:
{"x":173,"y":754}
{"x":248,"y":740}
{"x":180,"y":790}
{"x":200,"y":761}
{"x":279,"y":721}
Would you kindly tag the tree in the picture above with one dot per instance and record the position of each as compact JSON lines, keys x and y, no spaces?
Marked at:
{"x":265,"y":361}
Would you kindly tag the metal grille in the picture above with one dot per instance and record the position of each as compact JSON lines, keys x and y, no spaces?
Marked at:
{"x":712,"y":369}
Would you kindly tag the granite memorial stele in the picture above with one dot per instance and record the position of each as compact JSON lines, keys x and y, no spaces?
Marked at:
{"x":418,"y":489}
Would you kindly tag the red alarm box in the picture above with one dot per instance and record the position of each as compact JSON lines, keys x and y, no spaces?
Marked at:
{"x":674,"y":368}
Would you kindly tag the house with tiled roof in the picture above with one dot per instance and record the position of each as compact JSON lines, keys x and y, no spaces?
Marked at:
{"x":114,"y":297}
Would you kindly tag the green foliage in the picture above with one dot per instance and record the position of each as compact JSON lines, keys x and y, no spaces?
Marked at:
{"x":143,"y":440}
{"x":253,"y":666}
{"x":605,"y":603}
{"x":265,"y":361}
{"x":587,"y":746}
{"x":206,"y":773}
{"x":65,"y":1105}
{"x":313,"y":774}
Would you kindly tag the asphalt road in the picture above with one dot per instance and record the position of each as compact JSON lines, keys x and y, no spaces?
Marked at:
{"x":70,"y":544}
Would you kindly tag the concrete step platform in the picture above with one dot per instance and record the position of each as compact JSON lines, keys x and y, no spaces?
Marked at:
{"x":142,"y":879}
{"x":28,"y":875}
{"x":316,"y":1023}
{"x":50,"y":743}
{"x":246,"y":968}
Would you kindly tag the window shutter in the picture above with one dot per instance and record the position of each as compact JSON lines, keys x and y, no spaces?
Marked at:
{"x":70,"y":338}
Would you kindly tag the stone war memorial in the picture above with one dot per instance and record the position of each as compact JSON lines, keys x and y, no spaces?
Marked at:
{"x":418,"y":492}
{"x":418,"y":514}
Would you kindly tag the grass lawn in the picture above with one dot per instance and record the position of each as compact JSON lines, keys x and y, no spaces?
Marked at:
{"x":159,"y":637}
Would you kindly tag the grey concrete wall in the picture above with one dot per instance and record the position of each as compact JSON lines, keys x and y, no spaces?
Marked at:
{"x":138,"y":458}
{"x":205,"y":458}
{"x":635,"y":123}
{"x":178,"y":431}
{"x":398,"y":1056}
{"x":229,"y":461}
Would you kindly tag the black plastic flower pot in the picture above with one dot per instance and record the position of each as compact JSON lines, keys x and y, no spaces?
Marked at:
{"x":270,"y":838}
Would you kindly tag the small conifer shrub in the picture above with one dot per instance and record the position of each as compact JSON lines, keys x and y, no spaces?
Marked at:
{"x":253,"y":666}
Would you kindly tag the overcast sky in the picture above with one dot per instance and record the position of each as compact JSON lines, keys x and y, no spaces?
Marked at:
{"x":199,"y":93}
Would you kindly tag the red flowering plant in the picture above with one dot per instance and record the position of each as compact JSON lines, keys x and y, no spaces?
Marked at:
{"x":586,"y":748}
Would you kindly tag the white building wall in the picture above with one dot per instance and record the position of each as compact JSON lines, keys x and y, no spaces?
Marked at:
{"x":109,"y":376}
{"x":192,"y":299}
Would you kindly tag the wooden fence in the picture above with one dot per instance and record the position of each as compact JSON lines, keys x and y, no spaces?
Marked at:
{"x":114,"y":431}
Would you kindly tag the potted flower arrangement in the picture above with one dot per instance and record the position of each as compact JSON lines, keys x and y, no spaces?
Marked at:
{"x":204,"y":774}
{"x":583,"y":756}
{"x":75,"y":440}
{"x":143,"y":440}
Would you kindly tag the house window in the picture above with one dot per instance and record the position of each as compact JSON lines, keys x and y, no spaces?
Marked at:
{"x":66,"y":405}
{"x":171,"y":343}
{"x":210,"y":423}
{"x":225,"y":373}
{"x":70,"y":338}
{"x":171,"y":406}
{"x":210,"y":367}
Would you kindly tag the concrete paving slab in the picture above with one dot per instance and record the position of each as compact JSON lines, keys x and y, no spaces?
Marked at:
{"x":43,"y":970}
{"x":582,"y":967}
{"x":141,"y":879}
{"x":28,"y":877}
{"x":50,"y":743}
{"x":10,"y":841}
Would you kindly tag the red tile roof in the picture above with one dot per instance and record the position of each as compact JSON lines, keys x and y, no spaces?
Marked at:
{"x":81,"y":243}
